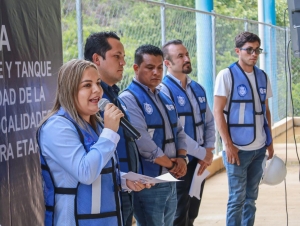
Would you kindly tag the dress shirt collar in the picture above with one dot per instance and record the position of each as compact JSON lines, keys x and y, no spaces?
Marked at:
{"x":189,"y":80}
{"x":146,"y":87}
{"x":111,"y":89}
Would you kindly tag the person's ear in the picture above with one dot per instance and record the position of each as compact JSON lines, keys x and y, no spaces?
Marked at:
{"x":167,"y":63}
{"x":135,"y":67}
{"x":96,"y":59}
{"x":237,"y":51}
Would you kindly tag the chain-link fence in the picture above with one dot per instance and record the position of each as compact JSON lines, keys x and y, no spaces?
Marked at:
{"x":140,"y":22}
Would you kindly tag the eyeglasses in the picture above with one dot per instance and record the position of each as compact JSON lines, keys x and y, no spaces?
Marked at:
{"x":250,"y":50}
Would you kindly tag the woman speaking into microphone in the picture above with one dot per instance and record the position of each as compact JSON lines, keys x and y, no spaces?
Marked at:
{"x":81,"y":179}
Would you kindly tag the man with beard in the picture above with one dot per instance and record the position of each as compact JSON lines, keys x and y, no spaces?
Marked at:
{"x":197,"y":120}
{"x":244,"y":122}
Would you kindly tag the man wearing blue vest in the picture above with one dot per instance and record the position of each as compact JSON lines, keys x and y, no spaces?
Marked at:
{"x":197,"y":120}
{"x":107,"y":52}
{"x":243,"y":119}
{"x":162,"y":146}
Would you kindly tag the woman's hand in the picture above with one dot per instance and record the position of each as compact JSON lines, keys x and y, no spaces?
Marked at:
{"x":112,"y":116}
{"x":137,"y":186}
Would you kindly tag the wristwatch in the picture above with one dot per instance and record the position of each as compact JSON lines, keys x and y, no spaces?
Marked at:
{"x":182,"y":156}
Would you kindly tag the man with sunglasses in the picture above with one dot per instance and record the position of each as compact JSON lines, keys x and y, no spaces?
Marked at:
{"x":243,"y":120}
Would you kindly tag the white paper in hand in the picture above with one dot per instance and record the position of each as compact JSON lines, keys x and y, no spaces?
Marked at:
{"x":197,"y":181}
{"x":167,"y":177}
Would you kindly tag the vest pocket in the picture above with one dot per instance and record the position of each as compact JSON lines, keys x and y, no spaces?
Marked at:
{"x":242,"y":135}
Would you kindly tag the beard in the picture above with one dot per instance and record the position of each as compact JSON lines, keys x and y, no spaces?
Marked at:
{"x":187,"y":68}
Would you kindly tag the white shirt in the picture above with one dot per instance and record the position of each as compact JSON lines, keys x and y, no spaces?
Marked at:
{"x":223,"y":85}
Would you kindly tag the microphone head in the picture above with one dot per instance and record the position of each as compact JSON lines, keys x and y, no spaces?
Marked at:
{"x":102,"y":103}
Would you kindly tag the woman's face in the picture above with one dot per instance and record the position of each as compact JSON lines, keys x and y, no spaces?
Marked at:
{"x":89,"y":93}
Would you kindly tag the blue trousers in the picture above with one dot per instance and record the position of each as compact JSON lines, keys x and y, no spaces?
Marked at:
{"x":155,"y":206}
{"x":243,"y":182}
{"x":127,"y":208}
{"x":187,"y":207}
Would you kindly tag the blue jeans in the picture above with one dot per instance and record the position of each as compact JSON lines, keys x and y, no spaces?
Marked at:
{"x":155,"y":206}
{"x":243,"y":182}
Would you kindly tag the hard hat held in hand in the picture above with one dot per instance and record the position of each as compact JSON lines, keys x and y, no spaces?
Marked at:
{"x":274,"y":172}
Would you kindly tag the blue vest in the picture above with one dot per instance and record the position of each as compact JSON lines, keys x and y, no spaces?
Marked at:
{"x":184,"y":106}
{"x":110,"y":179}
{"x":241,"y":111}
{"x":126,"y":148}
{"x":155,"y":121}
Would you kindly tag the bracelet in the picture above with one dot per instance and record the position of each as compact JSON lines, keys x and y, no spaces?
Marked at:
{"x":172,"y":167}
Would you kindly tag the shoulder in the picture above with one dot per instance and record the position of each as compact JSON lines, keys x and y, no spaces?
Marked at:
{"x":56,"y":130}
{"x":224,"y":73}
{"x":125,"y":93}
{"x":57,"y":123}
{"x":164,"y":89}
{"x":198,"y":84}
{"x":224,"y":77}
{"x":165,"y":94}
{"x":129,"y":99}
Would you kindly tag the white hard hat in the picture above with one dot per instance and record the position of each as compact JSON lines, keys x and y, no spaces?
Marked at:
{"x":274,"y":172}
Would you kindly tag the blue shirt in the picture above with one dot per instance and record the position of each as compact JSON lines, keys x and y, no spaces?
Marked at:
{"x":147,"y":147}
{"x":205,"y":138}
{"x":70,"y":163}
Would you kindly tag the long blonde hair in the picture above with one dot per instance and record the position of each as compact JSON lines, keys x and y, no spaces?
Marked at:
{"x":68,"y":80}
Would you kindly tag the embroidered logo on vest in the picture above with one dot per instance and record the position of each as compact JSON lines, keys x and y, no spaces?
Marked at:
{"x":170,"y":107}
{"x":181,"y":100}
{"x":148,"y":108}
{"x":242,"y":90}
{"x":201,"y":99}
{"x":262,"y":90}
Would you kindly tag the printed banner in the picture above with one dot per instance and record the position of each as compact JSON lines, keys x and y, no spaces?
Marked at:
{"x":30,"y":56}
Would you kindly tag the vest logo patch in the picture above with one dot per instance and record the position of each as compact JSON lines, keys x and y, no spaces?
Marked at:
{"x":262,"y":90}
{"x":242,"y":90}
{"x":201,"y":99}
{"x":170,"y":107}
{"x":181,"y":100}
{"x":148,"y":108}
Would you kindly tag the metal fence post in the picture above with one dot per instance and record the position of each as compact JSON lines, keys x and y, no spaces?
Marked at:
{"x":163,"y":23}
{"x":79,"y":29}
{"x":245,"y":24}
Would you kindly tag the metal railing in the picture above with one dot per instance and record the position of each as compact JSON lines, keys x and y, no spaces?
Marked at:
{"x":142,"y":21}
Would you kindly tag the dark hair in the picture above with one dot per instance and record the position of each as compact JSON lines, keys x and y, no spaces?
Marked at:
{"x":97,"y":43}
{"x":146,"y":49}
{"x":244,"y":37}
{"x":165,"y":48}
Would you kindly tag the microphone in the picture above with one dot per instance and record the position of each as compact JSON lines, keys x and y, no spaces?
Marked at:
{"x":123,"y":121}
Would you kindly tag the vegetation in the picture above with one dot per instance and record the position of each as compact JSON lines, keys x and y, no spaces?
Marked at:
{"x":137,"y":22}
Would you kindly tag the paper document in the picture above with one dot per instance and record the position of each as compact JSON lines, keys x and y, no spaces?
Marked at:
{"x":195,"y":188}
{"x":167,"y":177}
